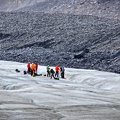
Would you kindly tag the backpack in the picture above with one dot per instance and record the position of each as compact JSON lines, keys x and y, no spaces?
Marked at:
{"x":24,"y":72}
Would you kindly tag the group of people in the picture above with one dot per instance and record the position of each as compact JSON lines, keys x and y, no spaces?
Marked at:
{"x":32,"y":70}
{"x":55,"y":74}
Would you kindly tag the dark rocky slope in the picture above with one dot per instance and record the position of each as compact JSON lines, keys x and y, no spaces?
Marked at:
{"x":100,"y":8}
{"x":70,"y":40}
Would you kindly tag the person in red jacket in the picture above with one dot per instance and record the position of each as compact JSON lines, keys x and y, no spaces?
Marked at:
{"x":28,"y":67}
{"x":36,"y":63}
{"x":57,"y":69}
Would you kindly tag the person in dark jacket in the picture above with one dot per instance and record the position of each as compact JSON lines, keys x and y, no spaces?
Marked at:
{"x":52,"y":72}
{"x":36,"y":64}
{"x":62,"y":70}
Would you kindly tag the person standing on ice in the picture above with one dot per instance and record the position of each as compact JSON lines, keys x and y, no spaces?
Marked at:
{"x":48,"y":71}
{"x":28,"y":67}
{"x":57,"y":69}
{"x":52,"y":72}
{"x":36,"y":64}
{"x":62,"y":70}
{"x":33,"y":69}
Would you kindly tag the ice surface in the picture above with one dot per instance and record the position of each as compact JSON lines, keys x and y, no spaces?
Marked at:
{"x":84,"y":94}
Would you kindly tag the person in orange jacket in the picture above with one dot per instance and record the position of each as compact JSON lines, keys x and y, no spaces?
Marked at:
{"x":57,"y":69}
{"x":28,"y":67}
{"x":33,"y":69}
